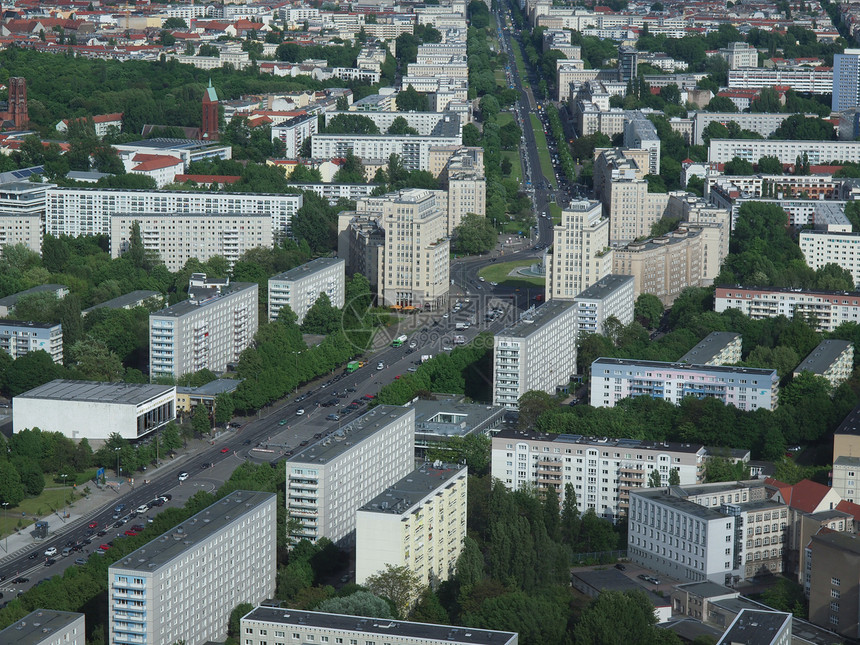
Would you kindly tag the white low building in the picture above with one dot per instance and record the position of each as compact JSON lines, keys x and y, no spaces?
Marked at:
{"x":93,"y":411}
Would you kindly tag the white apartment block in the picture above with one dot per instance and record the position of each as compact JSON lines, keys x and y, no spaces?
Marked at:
{"x":602,"y":471}
{"x":300,"y":287}
{"x":21,"y":229}
{"x":178,"y":237}
{"x":739,"y":55}
{"x":537,"y":353}
{"x":846,"y":473}
{"x":581,"y":255}
{"x":88,"y":211}
{"x":292,"y":133}
{"x":209,"y":330}
{"x":717,"y":348}
{"x":816,"y":152}
{"x":18,"y":337}
{"x":818,"y":80}
{"x":182,"y":586}
{"x":829,"y":309}
{"x":610,"y":297}
{"x":47,"y":627}
{"x":426,"y":123}
{"x":761,"y":122}
{"x":330,"y":480}
{"x":746,"y":388}
{"x":832,"y":359}
{"x":414,"y":151}
{"x":821,"y":248}
{"x":418,"y":523}
{"x":274,"y":626}
{"x":22,"y":209}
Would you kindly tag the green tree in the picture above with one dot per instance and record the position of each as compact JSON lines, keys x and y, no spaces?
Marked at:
{"x":233,"y":624}
{"x":721,"y":104}
{"x":617,"y":618}
{"x":401,"y":126}
{"x":303,"y":175}
{"x":95,"y":361}
{"x":351,"y":172}
{"x":569,"y":516}
{"x":322,"y":317}
{"x":770,"y":165}
{"x":475,"y":235}
{"x":799,"y":126}
{"x":360,"y":603}
{"x":674,"y":477}
{"x":738,"y":166}
{"x":200,"y":419}
{"x":532,"y":404}
{"x":470,"y":564}
{"x":648,"y":310}
{"x":400,"y":585}
{"x":410,"y":100}
{"x":11,"y":488}
{"x":654,"y":479}
{"x":723,"y":469}
{"x":175,"y":23}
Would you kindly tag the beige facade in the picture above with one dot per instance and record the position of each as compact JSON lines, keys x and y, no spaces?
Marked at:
{"x":22,"y":208}
{"x":467,"y":193}
{"x":832,"y":359}
{"x":580,"y":253}
{"x":834,"y":584}
{"x":440,"y":155}
{"x":632,"y":209}
{"x":418,"y":523}
{"x":663,"y":266}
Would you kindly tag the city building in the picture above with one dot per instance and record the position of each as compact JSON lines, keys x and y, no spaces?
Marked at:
{"x":440,"y":156}
{"x":187,"y":398}
{"x":18,"y":337}
{"x":446,"y":416}
{"x":602,"y":471}
{"x":844,"y":478}
{"x":313,"y":626}
{"x":832,"y":359}
{"x":821,"y":247}
{"x":300,"y":287}
{"x":846,"y":80}
{"x":580,"y":255}
{"x":846,"y":439}
{"x":739,"y":55}
{"x":361,"y":243}
{"x":834,"y":592}
{"x":467,"y":190}
{"x":640,"y":133}
{"x":717,"y":348}
{"x":759,"y":626}
{"x":131,"y":410}
{"x":747,"y":388}
{"x":46,"y":627}
{"x":22,"y":208}
{"x":175,"y":238}
{"x":209,"y":330}
{"x":182,"y":586}
{"x":293,"y":132}
{"x":536,"y":353}
{"x":328,"y":481}
{"x":610,"y":297}
{"x":7,"y":304}
{"x":763,"y":123}
{"x":88,"y":211}
{"x":828,"y":309}
{"x":664,"y":266}
{"x":593,"y":582}
{"x":815,"y":80}
{"x":418,"y":523}
{"x":787,"y":151}
{"x":627,"y":60}
{"x":130,"y":300}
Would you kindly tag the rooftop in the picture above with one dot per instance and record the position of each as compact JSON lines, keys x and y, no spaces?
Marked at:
{"x":198,"y":528}
{"x":37,"y":626}
{"x":757,"y":627}
{"x":449,"y":415}
{"x":607,"y":442}
{"x":308,"y":268}
{"x":681,"y":505}
{"x":851,"y":423}
{"x":96,"y":392}
{"x":614,"y":580}
{"x":9,"y":301}
{"x":187,"y":306}
{"x":396,"y":628}
{"x":533,"y":319}
{"x":350,"y":435}
{"x":709,"y":347}
{"x":707,"y":589}
{"x":823,"y":356}
{"x":124,"y":301}
{"x":404,"y":496}
{"x":212,"y":388}
{"x":163,"y":143}
{"x":27,"y":323}
{"x":799,"y":292}
{"x":684,"y":367}
{"x":604,"y":287}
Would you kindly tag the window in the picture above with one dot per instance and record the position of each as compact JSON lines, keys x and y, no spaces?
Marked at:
{"x":834,"y":593}
{"x":834,"y":582}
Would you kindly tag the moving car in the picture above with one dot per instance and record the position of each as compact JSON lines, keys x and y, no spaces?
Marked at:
{"x":50,"y":552}
{"x":143,"y":508}
{"x":300,"y":412}
{"x":380,"y":365}
{"x":333,"y":417}
{"x":183,"y":476}
{"x":224,"y":450}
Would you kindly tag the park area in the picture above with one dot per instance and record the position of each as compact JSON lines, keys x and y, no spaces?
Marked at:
{"x":501,"y":273}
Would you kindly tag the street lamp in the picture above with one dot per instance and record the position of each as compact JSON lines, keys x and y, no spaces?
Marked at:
{"x":64,"y":476}
{"x":116,"y":450}
{"x":6,"y":518}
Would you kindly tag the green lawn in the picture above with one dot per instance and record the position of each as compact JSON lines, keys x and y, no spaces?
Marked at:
{"x":521,"y":64}
{"x":555,"y":211}
{"x":499,"y":273}
{"x":543,"y":150}
{"x":516,"y":165}
{"x":35,"y":508}
{"x":503,"y":118}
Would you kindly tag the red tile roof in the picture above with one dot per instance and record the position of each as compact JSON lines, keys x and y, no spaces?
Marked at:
{"x":849,"y":507}
{"x":160,"y":161}
{"x":805,"y":495}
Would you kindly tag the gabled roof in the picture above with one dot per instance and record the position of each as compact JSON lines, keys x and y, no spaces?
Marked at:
{"x":849,"y":507}
{"x":159,"y":162}
{"x":804,"y":496}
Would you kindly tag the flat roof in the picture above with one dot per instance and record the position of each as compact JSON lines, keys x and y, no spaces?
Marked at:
{"x":196,"y":529}
{"x":404,"y":495}
{"x":348,"y":436}
{"x":683,"y":366}
{"x":9,"y":301}
{"x":614,"y":580}
{"x":800,"y":292}
{"x":597,"y":442}
{"x":851,"y":423}
{"x":381,"y":626}
{"x":604,"y":287}
{"x":212,"y":388}
{"x":164,"y":143}
{"x":823,"y":356}
{"x":97,"y":392}
{"x":532,"y":320}
{"x":124,"y":301}
{"x":847,"y":461}
{"x":451,"y":416}
{"x":709,"y":347}
{"x":839,"y":540}
{"x":756,"y":627}
{"x":27,"y":323}
{"x":37,"y":626}
{"x":682,"y":505}
{"x":707,"y":589}
{"x":308,"y":268}
{"x":187,"y":306}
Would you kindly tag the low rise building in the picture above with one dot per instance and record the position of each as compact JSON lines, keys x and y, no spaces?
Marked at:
{"x":536,"y":353}
{"x":308,"y":626}
{"x":418,"y":523}
{"x":7,"y":304}
{"x":610,"y":297}
{"x":138,"y":298}
{"x":759,"y":626}
{"x":357,"y":462}
{"x":717,"y":348}
{"x":187,"y":398}
{"x":833,"y":359}
{"x":131,"y":410}
{"x":747,"y":388}
{"x":739,"y":55}
{"x":209,"y":330}
{"x":448,"y":416}
{"x":176,"y":588}
{"x":300,"y":287}
{"x":47,"y":627}
{"x":834,"y":589}
{"x":19,"y":337}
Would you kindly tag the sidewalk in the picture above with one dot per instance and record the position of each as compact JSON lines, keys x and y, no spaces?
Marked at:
{"x":83,"y":508}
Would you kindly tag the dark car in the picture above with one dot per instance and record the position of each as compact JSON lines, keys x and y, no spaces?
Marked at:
{"x":137,"y":527}
{"x":50,"y":561}
{"x":32,"y":556}
{"x":102,"y":533}
{"x":20,"y":580}
{"x":167,"y":497}
{"x":620,"y":567}
{"x":207,"y":464}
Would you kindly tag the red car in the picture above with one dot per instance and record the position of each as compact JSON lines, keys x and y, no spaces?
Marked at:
{"x":225,"y":450}
{"x":397,"y":378}
{"x":131,"y":533}
{"x":93,"y":525}
{"x":104,"y":547}
{"x":369,"y":396}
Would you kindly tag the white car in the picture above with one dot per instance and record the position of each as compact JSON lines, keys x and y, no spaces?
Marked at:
{"x":413,"y":345}
{"x":482,"y":279}
{"x":444,"y":315}
{"x":143,"y":508}
{"x":50,"y":552}
{"x":300,"y":412}
{"x":183,"y":476}
{"x":380,"y":365}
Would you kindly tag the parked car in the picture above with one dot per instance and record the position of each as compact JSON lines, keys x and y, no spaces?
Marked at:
{"x":50,"y":552}
{"x":143,"y":508}
{"x":183,"y":476}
